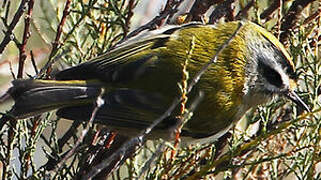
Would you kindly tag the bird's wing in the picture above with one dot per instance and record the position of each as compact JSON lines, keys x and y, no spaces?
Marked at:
{"x":123,"y":108}
{"x":124,"y":63}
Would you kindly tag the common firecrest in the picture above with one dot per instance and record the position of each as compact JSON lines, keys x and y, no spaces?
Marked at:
{"x":141,"y":77}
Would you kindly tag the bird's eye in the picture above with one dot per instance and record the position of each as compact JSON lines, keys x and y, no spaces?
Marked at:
{"x":272,"y":76}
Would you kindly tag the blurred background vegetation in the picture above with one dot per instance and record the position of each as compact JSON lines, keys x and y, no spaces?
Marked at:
{"x":274,"y":141}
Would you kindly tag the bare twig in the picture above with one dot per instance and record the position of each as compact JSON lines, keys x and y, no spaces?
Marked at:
{"x":96,"y":153}
{"x":22,"y":56}
{"x":4,"y":3}
{"x":134,"y":142}
{"x":11,"y":142}
{"x":8,"y":36}
{"x":199,"y":8}
{"x":312,"y":17}
{"x":278,"y":24}
{"x":221,"y":10}
{"x":266,"y":14}
{"x":11,"y":71}
{"x":5,"y":19}
{"x":26,"y":36}
{"x":149,"y":162}
{"x":33,"y":62}
{"x":243,"y":13}
{"x":99,"y":103}
{"x":130,"y":13}
{"x":56,"y":43}
{"x":184,"y":118}
{"x":28,"y":154}
{"x":68,"y":134}
{"x":247,"y":146}
{"x":291,"y":18}
{"x":170,"y":8}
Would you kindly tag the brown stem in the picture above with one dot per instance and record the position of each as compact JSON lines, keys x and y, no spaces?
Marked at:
{"x":291,"y":18}
{"x":244,"y":11}
{"x":8,"y":36}
{"x":223,"y":9}
{"x":56,"y":43}
{"x":26,"y":36}
{"x":170,"y":8}
{"x":199,"y":8}
{"x":33,"y":62}
{"x":312,"y":17}
{"x":131,"y":5}
{"x":268,"y":12}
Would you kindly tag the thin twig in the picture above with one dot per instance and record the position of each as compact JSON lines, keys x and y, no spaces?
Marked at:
{"x":11,"y":71}
{"x":244,"y":12}
{"x":184,"y":118}
{"x":221,"y":10}
{"x":130,"y":13}
{"x":56,"y":43}
{"x":4,"y":3}
{"x":247,"y":146}
{"x":278,"y":24}
{"x":312,"y":17}
{"x":291,"y":18}
{"x":33,"y":62}
{"x":26,"y":36}
{"x":266,"y":14}
{"x":68,"y":134}
{"x":98,"y":104}
{"x":199,"y":8}
{"x":151,"y":160}
{"x":28,"y":154}
{"x":168,"y":10}
{"x":22,"y":56}
{"x":8,"y":36}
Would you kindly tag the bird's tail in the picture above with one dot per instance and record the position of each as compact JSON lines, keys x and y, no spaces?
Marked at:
{"x":33,"y":97}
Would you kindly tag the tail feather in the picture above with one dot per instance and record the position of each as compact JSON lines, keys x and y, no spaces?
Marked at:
{"x":33,"y":97}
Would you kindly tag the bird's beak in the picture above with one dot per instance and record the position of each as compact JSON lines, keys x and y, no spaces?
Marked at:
{"x":297,"y":100}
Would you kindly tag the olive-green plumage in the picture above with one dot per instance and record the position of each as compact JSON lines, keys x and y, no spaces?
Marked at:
{"x":141,"y":79}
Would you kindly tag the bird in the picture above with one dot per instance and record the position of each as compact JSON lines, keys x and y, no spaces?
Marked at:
{"x":140,"y":79}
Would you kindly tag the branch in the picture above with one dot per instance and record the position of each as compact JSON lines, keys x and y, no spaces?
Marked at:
{"x":291,"y":18}
{"x":170,"y":8}
{"x":56,"y":43}
{"x":199,"y":8}
{"x":26,"y":36}
{"x":130,"y":6}
{"x":224,"y":159}
{"x":12,"y":25}
{"x":221,"y":10}
{"x":268,"y":12}
{"x":244,"y":12}
{"x":33,"y":62}
{"x":98,"y":104}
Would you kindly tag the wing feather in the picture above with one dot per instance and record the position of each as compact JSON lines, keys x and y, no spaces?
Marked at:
{"x":105,"y":65}
{"x":122,"y":108}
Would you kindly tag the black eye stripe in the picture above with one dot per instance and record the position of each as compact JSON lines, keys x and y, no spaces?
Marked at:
{"x":272,"y":76}
{"x":284,"y":61}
